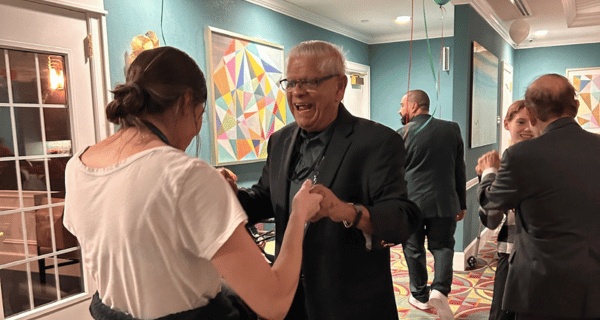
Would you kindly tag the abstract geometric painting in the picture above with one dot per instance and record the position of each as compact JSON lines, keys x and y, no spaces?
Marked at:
{"x":247,"y":104}
{"x":587,"y":84}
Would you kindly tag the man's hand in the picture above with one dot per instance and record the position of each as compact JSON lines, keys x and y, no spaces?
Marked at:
{"x":331,"y":205}
{"x":230,"y":177}
{"x":488,"y":160}
{"x":461,"y":215}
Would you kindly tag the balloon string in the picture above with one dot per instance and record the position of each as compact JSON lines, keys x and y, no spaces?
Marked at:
{"x":412,"y":23}
{"x":432,"y":68}
{"x":442,"y":9}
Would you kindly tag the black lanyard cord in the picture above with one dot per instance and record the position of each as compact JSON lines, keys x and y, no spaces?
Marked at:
{"x":156,"y":131}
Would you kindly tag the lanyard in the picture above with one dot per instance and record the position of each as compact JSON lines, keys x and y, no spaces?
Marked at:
{"x":156,"y":131}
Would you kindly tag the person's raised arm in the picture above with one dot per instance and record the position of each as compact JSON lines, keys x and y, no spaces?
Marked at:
{"x":268,"y":290}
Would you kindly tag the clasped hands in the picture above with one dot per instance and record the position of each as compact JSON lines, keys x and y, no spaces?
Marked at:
{"x":330,"y":206}
{"x":488,"y":160}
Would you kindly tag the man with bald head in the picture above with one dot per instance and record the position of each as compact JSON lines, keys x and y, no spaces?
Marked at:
{"x":552,"y":183}
{"x":435,"y":173}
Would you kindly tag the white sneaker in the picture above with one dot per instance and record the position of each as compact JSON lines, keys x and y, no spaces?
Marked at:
{"x":440,"y":302}
{"x":418,"y":304}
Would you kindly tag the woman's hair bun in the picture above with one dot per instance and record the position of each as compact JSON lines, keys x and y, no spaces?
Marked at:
{"x":128,"y":101}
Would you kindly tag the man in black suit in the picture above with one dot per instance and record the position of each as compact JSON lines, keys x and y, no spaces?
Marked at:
{"x":435,"y":172}
{"x":357,"y":166}
{"x":552,"y":182}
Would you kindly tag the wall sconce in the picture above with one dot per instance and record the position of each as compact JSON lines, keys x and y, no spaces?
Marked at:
{"x":357,"y":79}
{"x":446,"y":59}
{"x":55,"y":70}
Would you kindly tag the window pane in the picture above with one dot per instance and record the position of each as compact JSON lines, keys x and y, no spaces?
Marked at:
{"x":29,"y":132}
{"x":33,"y":175}
{"x":3,"y":80}
{"x":6,"y":136}
{"x":8,"y":181}
{"x":69,"y":271}
{"x":15,"y":291}
{"x":58,"y":131}
{"x":12,"y":247}
{"x":24,"y":83}
{"x":52,"y":76}
{"x":57,"y":176}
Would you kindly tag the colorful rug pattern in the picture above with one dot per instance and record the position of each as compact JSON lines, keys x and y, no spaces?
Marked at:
{"x":472,"y":290}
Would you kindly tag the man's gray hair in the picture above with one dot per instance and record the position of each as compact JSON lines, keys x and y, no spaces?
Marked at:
{"x":333,"y":61}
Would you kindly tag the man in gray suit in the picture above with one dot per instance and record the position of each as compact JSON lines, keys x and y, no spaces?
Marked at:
{"x":435,"y":173}
{"x":552,"y":182}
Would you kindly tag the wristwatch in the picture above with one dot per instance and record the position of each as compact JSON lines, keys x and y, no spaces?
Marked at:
{"x":359,"y":210}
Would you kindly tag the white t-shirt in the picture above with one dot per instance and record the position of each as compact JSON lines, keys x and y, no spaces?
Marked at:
{"x":148,"y":227}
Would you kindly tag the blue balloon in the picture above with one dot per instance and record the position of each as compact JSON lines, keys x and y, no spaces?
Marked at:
{"x":441,"y":2}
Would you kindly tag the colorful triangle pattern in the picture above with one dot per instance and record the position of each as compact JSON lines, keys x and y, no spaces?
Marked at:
{"x":588,"y":87}
{"x":249,"y":106}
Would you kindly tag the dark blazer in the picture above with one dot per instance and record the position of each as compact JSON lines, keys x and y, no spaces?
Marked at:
{"x":435,"y":166}
{"x":363,"y":164}
{"x":552,"y":181}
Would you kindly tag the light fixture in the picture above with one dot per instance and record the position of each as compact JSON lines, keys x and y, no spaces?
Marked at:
{"x":55,"y":73}
{"x":402,"y":19}
{"x":540,"y":33}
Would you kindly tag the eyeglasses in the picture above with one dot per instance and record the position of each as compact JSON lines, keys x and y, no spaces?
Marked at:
{"x":308,"y":85}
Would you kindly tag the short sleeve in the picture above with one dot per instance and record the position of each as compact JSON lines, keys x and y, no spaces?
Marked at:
{"x":208,"y":210}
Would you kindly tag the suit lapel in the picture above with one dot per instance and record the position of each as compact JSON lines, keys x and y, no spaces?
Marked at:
{"x":282,"y":184}
{"x":337,"y":147}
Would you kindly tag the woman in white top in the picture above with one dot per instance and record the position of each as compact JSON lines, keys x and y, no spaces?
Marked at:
{"x":158,"y":228}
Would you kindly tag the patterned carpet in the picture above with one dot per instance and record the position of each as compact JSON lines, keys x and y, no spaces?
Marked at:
{"x":471,"y":294}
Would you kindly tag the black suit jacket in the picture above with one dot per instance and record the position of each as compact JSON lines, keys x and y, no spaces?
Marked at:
{"x":552,"y":181}
{"x":435,"y":166}
{"x":363,"y":164}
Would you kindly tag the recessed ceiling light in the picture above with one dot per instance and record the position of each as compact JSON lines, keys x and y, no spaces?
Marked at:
{"x":540,"y":33}
{"x":402,"y":19}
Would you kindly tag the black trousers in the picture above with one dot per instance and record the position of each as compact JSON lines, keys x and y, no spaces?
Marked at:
{"x":440,"y":239}
{"x":496,"y":312}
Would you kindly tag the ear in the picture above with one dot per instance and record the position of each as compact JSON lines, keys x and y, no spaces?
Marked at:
{"x":413,"y":106}
{"x":505,"y":124}
{"x":342,"y":83}
{"x":185,"y":103}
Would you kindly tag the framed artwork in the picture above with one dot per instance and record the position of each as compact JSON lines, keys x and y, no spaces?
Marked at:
{"x":246,"y":103}
{"x":484,"y":97}
{"x":587,"y":85}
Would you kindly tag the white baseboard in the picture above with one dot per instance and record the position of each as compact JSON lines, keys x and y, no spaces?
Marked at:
{"x":459,"y":262}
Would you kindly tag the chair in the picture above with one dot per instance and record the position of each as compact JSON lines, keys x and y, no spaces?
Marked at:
{"x":64,"y":239}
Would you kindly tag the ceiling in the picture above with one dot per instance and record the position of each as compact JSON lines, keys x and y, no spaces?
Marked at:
{"x":372,"y":21}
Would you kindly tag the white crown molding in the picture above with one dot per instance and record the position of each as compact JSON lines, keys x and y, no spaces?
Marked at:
{"x":485,"y":10}
{"x":406,"y":37}
{"x":581,"y":19}
{"x":556,"y":43}
{"x":296,"y":12}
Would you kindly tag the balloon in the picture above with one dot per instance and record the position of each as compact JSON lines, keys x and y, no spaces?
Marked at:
{"x":519,"y":30}
{"x":441,"y":2}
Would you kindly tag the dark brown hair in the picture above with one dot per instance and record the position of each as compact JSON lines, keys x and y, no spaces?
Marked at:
{"x":551,"y":95}
{"x":155,"y":81}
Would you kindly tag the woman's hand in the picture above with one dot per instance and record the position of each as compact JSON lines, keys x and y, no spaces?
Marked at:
{"x":305,"y":203}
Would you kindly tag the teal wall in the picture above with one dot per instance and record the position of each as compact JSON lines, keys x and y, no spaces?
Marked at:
{"x":184,"y":26}
{"x":184,"y":23}
{"x":389,"y":78}
{"x":532,"y":63}
{"x":469,"y":27}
